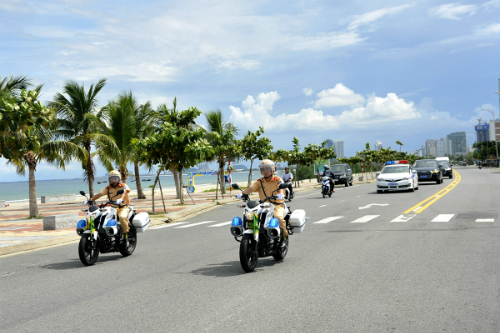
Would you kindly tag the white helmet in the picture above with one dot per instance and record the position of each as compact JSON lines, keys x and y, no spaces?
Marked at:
{"x":113,"y":175}
{"x":266,"y":164}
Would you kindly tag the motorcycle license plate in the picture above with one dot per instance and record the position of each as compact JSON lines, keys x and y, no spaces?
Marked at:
{"x":424,"y":176}
{"x":393,"y":184}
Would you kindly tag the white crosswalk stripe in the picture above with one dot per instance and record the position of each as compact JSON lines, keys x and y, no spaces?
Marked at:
{"x":219,"y":224}
{"x":443,"y":218}
{"x":194,"y":224}
{"x":365,"y":219}
{"x":328,"y":220}
{"x":485,"y":220}
{"x":403,"y":218}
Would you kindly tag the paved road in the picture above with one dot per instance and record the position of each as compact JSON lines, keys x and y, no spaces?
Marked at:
{"x":356,"y":271}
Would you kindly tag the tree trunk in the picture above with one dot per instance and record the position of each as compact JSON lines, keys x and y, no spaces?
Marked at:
{"x":222,"y":180}
{"x":123,"y":173}
{"x":161,"y":193}
{"x":297,"y":181}
{"x":177,"y":185}
{"x":153,"y":189}
{"x":140,"y":192}
{"x":250,"y":174}
{"x":217,"y":186}
{"x":32,"y":190}
{"x":181,"y":187}
{"x":90,"y":172}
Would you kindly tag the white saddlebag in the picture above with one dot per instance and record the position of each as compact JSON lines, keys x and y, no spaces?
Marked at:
{"x":141,"y":221}
{"x":298,"y":220}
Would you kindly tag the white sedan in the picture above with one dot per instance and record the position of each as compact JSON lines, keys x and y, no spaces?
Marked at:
{"x":397,"y":177}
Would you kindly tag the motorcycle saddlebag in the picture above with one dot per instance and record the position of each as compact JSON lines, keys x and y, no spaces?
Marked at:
{"x":298,"y":220}
{"x":141,"y":221}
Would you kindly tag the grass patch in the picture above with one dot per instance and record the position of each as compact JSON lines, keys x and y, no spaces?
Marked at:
{"x":38,"y":217}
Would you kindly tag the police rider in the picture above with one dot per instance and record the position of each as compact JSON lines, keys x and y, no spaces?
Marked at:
{"x":122,"y":201}
{"x":328,"y":173}
{"x":266,"y":186}
{"x":287,"y":178}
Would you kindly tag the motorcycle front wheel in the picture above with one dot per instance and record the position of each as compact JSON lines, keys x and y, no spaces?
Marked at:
{"x":88,"y":255}
{"x":281,"y":251}
{"x":248,"y":255}
{"x":132,"y":243}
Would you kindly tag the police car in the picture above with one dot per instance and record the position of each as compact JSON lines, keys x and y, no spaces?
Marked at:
{"x":397,"y":176}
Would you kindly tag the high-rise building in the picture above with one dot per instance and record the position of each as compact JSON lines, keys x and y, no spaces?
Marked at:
{"x":441,"y":147}
{"x":430,"y":147}
{"x":329,"y":143}
{"x":378,"y":145}
{"x":482,"y":132}
{"x":458,"y":143}
{"x":495,"y":125}
{"x":338,"y":146}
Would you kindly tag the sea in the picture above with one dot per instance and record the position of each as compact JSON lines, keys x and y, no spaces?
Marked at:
{"x":19,"y":191}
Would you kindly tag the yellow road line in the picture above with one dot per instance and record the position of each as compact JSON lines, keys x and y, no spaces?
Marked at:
{"x":422,"y":205}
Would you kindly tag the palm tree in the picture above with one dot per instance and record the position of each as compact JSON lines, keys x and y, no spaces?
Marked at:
{"x":222,"y":138}
{"x":76,"y":110}
{"x":37,"y":147}
{"x":400,"y":144}
{"x":126,"y":120}
{"x":14,"y":85}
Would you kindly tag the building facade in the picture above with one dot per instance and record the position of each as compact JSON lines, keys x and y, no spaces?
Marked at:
{"x":378,"y":145}
{"x":458,"y":143}
{"x":338,"y":146}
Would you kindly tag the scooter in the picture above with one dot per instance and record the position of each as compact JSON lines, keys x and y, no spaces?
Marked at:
{"x":325,"y":186}
{"x":287,"y":192}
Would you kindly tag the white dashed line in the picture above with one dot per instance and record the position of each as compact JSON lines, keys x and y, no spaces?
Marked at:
{"x":443,"y":218}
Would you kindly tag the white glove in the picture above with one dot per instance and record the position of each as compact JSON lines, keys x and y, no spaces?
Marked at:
{"x":238,"y":196}
{"x":119,"y":201}
{"x":85,"y":202}
{"x":280,"y":196}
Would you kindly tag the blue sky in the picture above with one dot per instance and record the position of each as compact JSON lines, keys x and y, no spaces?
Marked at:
{"x":358,"y":71}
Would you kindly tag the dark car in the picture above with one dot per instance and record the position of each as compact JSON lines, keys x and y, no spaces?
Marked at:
{"x":446,"y":169}
{"x":428,"y":171}
{"x":342,"y":174}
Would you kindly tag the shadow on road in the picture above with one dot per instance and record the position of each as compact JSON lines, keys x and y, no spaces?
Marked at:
{"x":233,"y":268}
{"x":76,"y":263}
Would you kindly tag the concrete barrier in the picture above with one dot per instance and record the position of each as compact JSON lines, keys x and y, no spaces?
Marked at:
{"x":58,"y":198}
{"x":61,"y":221}
{"x":2,"y":203}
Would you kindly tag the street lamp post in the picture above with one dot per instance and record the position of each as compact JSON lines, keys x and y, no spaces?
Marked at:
{"x":495,"y":127}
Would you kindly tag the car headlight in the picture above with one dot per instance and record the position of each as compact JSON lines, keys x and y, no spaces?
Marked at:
{"x":435,"y":171}
{"x":342,"y":176}
{"x":405,"y":178}
{"x":249,"y":216}
{"x":380,"y":179}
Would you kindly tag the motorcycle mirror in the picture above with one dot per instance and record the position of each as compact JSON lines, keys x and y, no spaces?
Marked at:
{"x":119,"y":192}
{"x":82,"y":193}
{"x":235,"y":186}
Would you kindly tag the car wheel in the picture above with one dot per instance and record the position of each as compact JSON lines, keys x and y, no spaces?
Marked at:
{"x":451,"y":176}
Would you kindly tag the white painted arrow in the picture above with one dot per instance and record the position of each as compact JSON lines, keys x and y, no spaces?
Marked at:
{"x":365,"y":207}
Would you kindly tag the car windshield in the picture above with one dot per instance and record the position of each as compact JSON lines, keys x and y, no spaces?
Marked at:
{"x":444,"y":164}
{"x":425,"y":164}
{"x":338,"y":168}
{"x":395,"y":169}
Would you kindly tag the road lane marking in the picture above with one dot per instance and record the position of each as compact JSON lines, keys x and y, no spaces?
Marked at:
{"x":485,"y":220}
{"x":219,"y":224}
{"x":424,"y":204}
{"x":194,"y":224}
{"x":365,"y":219}
{"x":323,"y":206}
{"x":403,"y":218}
{"x":328,"y":220}
{"x":308,"y":195}
{"x":368,"y":206}
{"x":169,"y":225}
{"x":443,"y":218}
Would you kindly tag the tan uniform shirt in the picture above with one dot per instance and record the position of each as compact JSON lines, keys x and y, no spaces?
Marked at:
{"x":112,"y":192}
{"x":269,"y":187}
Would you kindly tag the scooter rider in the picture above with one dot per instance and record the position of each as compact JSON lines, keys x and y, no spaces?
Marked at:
{"x":287,"y":178}
{"x":328,"y":173}
{"x":266,"y":186}
{"x":122,"y":201}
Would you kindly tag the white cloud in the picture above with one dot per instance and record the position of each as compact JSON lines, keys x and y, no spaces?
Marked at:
{"x":490,"y":29}
{"x":307,"y":91}
{"x":256,"y":112}
{"x":338,"y":96}
{"x":491,"y":5}
{"x":324,"y":41}
{"x":452,"y":11}
{"x":374,"y":16}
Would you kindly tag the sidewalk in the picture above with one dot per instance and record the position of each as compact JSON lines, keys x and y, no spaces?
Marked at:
{"x":18,"y":233}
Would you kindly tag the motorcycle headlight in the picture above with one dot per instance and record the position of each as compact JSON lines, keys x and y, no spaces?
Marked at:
{"x":249,"y":216}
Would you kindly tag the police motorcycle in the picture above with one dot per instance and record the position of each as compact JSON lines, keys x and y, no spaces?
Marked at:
{"x":101,"y":232}
{"x":325,"y":186}
{"x":260,"y":231}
